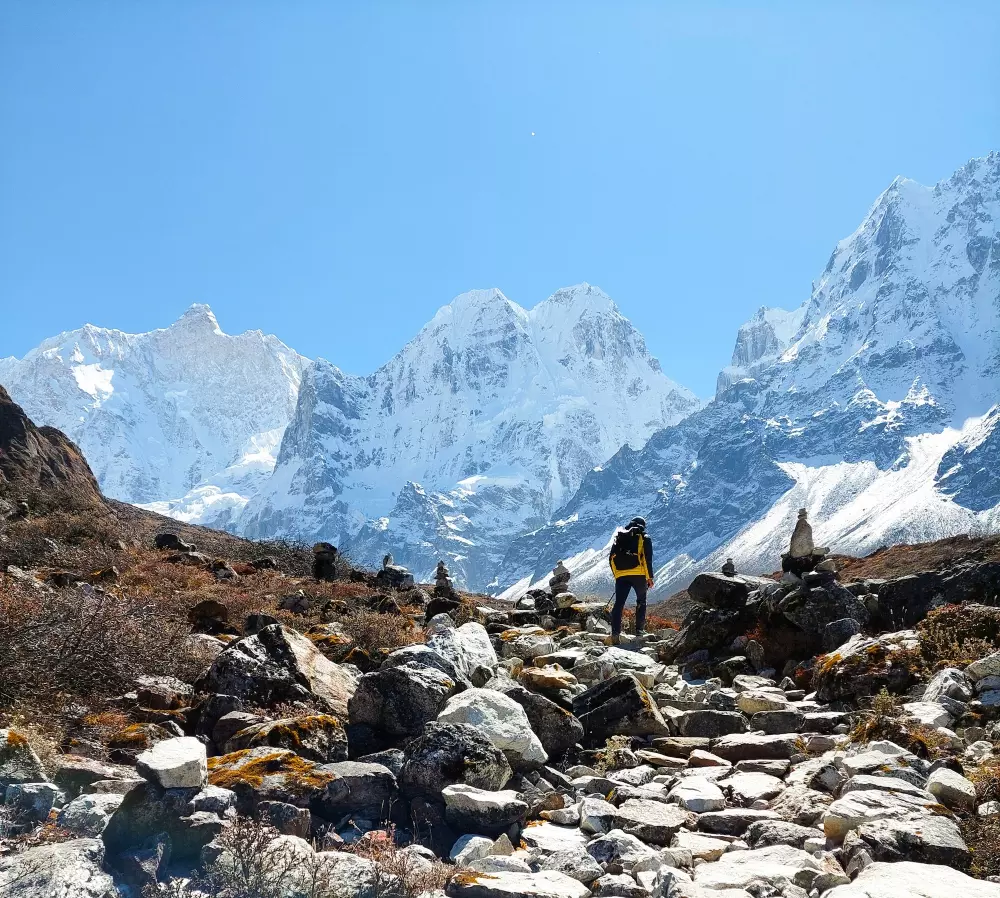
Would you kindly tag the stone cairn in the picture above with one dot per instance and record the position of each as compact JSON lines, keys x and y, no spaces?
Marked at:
{"x":443,"y":587}
{"x":804,"y":560}
{"x":559,"y":586}
{"x":325,"y":561}
{"x":729,"y":569}
{"x":387,"y":560}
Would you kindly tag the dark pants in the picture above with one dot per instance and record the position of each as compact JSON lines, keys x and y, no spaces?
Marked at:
{"x":623,"y":585}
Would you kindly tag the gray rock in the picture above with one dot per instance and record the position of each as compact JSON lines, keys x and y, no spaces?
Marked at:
{"x":88,"y":815}
{"x":401,"y":700}
{"x":279,"y":665}
{"x":930,"y":839}
{"x":619,"y":706}
{"x":712,"y":724}
{"x":778,"y":832}
{"x":473,"y":810}
{"x":652,"y":821}
{"x":71,"y":869}
{"x":452,"y":753}
{"x":18,"y":761}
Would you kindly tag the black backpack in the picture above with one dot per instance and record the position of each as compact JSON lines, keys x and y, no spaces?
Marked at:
{"x":625,"y":549}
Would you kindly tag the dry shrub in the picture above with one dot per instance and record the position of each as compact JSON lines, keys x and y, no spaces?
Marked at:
{"x":374,"y":630}
{"x":401,"y":875}
{"x":982,"y":835}
{"x":986,"y":779}
{"x":885,"y":720}
{"x":613,"y":754}
{"x":61,"y":646}
{"x":957,"y":635}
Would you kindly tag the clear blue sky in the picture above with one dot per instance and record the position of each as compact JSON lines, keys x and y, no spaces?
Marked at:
{"x":333,"y":172}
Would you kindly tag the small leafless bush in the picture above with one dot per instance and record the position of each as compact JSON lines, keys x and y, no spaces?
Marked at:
{"x":374,"y":630}
{"x":885,"y":720}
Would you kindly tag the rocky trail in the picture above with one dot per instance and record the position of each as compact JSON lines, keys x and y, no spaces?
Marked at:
{"x":225,"y":719}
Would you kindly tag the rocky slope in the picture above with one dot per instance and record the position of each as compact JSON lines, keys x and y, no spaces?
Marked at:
{"x":872,"y":405}
{"x":216,"y":728}
{"x":39,"y":461}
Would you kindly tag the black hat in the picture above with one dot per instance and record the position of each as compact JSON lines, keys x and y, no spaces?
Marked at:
{"x":638,"y":522}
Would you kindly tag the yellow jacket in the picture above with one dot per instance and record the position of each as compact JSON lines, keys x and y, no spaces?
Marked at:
{"x":645,"y":558}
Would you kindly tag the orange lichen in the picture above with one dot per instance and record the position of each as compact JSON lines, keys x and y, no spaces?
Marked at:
{"x":242,"y":768}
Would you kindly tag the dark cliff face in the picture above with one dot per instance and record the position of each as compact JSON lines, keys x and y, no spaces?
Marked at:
{"x":40,"y":460}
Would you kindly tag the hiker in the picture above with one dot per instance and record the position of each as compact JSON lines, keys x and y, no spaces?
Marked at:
{"x":631,"y":562}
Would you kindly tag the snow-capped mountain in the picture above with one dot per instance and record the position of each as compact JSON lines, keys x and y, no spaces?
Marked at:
{"x":472,"y":434}
{"x":185,"y":411}
{"x":872,"y":405}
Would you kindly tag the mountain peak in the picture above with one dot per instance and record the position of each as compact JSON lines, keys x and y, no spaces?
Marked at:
{"x":199,"y":315}
{"x":582,"y":298}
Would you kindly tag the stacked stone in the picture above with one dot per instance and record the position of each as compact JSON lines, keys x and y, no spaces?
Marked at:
{"x":443,"y":587}
{"x":325,"y":561}
{"x":559,"y":586}
{"x":804,"y":560}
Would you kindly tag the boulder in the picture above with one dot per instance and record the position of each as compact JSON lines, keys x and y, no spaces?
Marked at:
{"x":864,"y":665}
{"x":146,"y":811}
{"x":765,"y":833}
{"x":914,"y":837}
{"x":74,"y":773}
{"x":18,"y":761}
{"x":574,"y":862}
{"x":278,"y":665}
{"x":316,"y":737}
{"x":619,"y":706}
{"x":358,"y":786}
{"x":733,"y":821}
{"x":717,"y":590}
{"x":777,"y":864}
{"x":500,"y":719}
{"x":913,"y":880}
{"x":73,"y":869}
{"x":652,"y":821}
{"x":392,"y":576}
{"x":747,"y":746}
{"x":544,"y":884}
{"x":179,"y":763}
{"x":695,"y":793}
{"x":949,"y":683}
{"x":856,"y":808}
{"x":448,"y":753}
{"x":952,"y":789}
{"x":473,"y":810}
{"x":88,"y":815}
{"x":273,"y":774}
{"x":400,"y":700}
{"x":711,"y":724}
{"x":557,"y":729}
{"x":467,"y":647}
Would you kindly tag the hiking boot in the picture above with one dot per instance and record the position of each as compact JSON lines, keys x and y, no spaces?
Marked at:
{"x":613,"y":639}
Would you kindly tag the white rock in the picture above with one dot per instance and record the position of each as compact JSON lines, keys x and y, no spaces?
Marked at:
{"x":467,"y":647}
{"x":499,"y":864}
{"x":549,"y":837}
{"x":544,"y":884}
{"x":695,"y":793}
{"x":754,"y":700}
{"x":499,"y":718}
{"x":952,"y":789}
{"x":704,"y":847}
{"x":950,"y":682}
{"x":597,"y":815}
{"x":856,"y":808}
{"x":746,"y":788}
{"x":66,"y":869}
{"x":906,"y":879}
{"x":179,"y":763}
{"x":929,"y":714}
{"x":469,"y":848}
{"x":775,"y":864}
